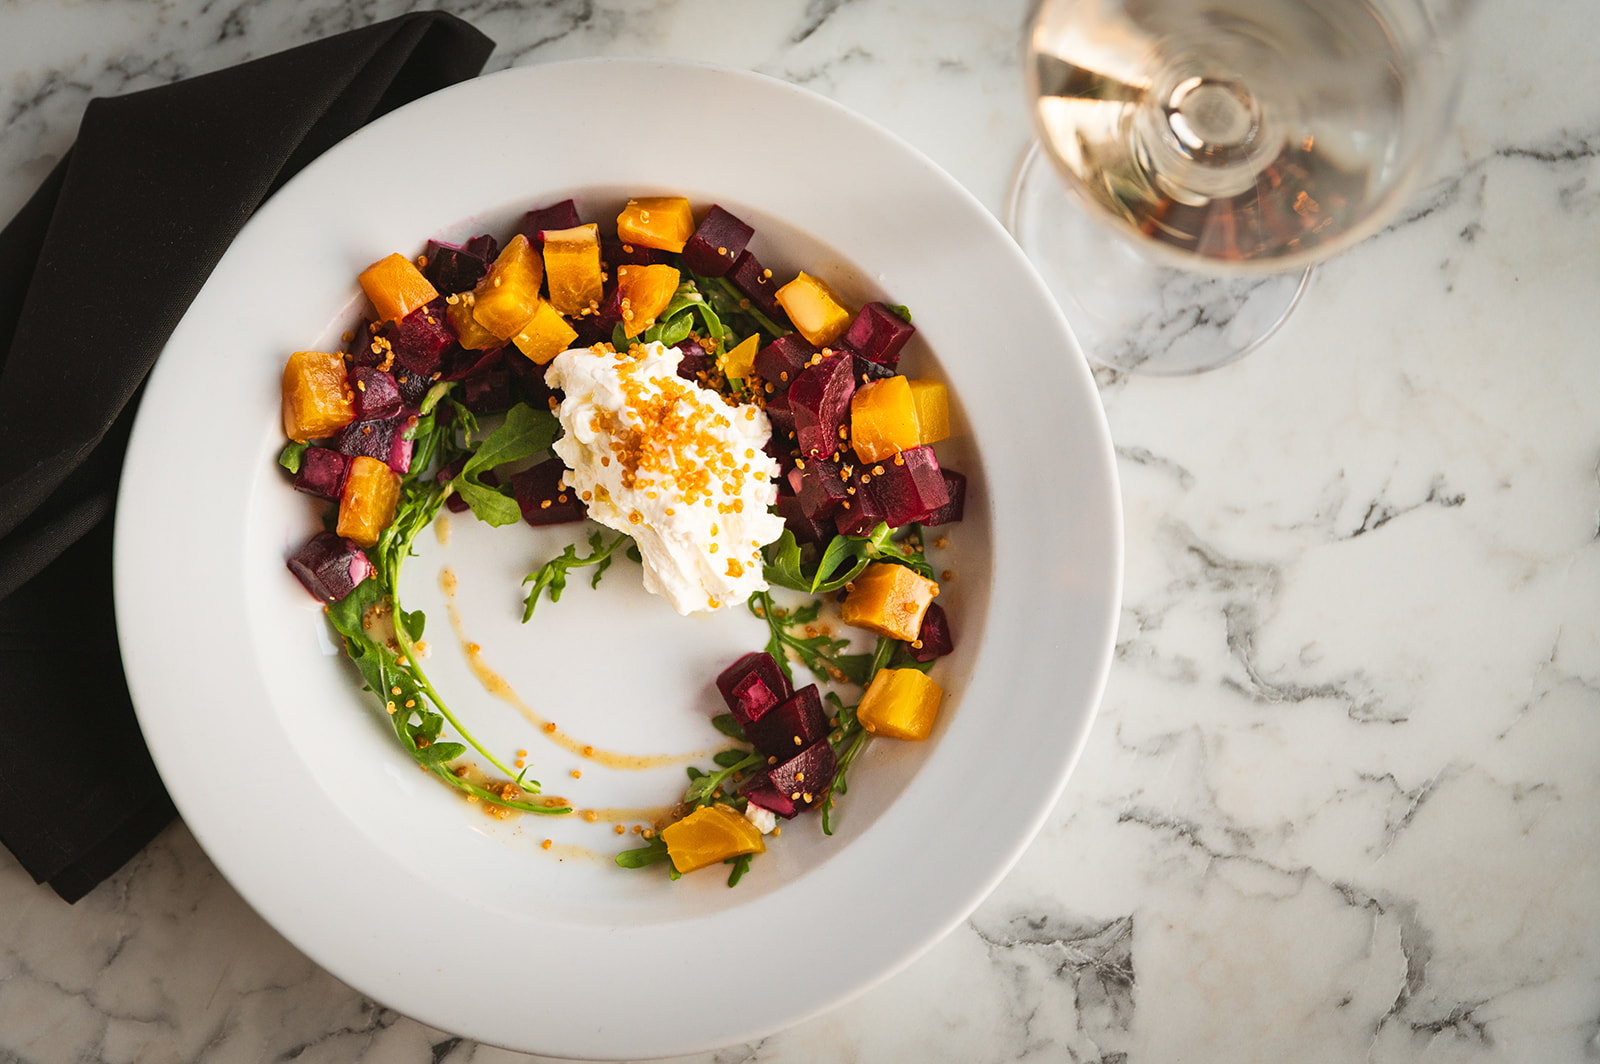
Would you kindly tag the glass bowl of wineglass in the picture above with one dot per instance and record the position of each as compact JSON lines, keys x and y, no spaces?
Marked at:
{"x":1195,"y":158}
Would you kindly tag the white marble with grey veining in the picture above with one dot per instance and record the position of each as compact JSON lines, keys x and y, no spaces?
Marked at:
{"x":1342,"y":802}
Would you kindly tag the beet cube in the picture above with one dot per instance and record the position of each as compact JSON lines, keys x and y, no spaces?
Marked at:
{"x":453,"y":269}
{"x":487,"y":392}
{"x":528,"y":377}
{"x":464,"y":363}
{"x":420,"y":339}
{"x":877,"y":334}
{"x":791,"y":725}
{"x":781,"y":361}
{"x":358,"y":349}
{"x":868,"y":371}
{"x":484,"y":246}
{"x":910,"y":487}
{"x":862,"y":512}
{"x":955,"y":485}
{"x":598,"y":327}
{"x":934,"y":635}
{"x":383,"y":439}
{"x":541,"y":497}
{"x":820,"y":398}
{"x":322,"y":472}
{"x":753,"y":685}
{"x":695,"y":361}
{"x":818,"y":486}
{"x":755,"y":281}
{"x":781,"y":414}
{"x":718,"y":241}
{"x":329,"y":566}
{"x":563,"y":215}
{"x":805,"y":529}
{"x":377,"y":394}
{"x":413,"y":386}
{"x":615,"y":253}
{"x":796,"y":784}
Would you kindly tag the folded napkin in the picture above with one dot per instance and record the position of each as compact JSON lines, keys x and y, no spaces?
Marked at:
{"x":95,"y":272}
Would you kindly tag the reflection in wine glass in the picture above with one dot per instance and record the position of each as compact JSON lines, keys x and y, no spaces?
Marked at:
{"x":1196,"y":157}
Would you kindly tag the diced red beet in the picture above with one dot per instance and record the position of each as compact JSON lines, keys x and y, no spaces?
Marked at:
{"x":753,"y":685}
{"x":451,"y":268}
{"x":484,"y":246}
{"x":862,"y":512}
{"x":805,"y":529}
{"x":934,"y":635}
{"x":615,"y":253}
{"x":781,"y":361}
{"x":818,"y":486}
{"x":528,"y":376}
{"x":910,"y":487}
{"x":383,"y":439}
{"x":695,"y":361}
{"x":755,"y":281}
{"x":464,"y":363}
{"x":718,"y":241}
{"x":329,"y":566}
{"x":322,"y":472}
{"x":868,"y":371}
{"x":486,"y":392}
{"x":563,"y":215}
{"x":820,"y":399}
{"x":413,"y":386}
{"x":453,"y":502}
{"x":794,"y":785}
{"x":781,"y":414}
{"x":377,"y":394}
{"x":358,"y":349}
{"x":791,"y":725}
{"x":955,"y":485}
{"x":877,"y":334}
{"x":420,"y":339}
{"x":598,"y":327}
{"x":541,"y":497}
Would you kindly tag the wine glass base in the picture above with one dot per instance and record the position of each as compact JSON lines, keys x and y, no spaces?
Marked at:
{"x":1129,"y":313}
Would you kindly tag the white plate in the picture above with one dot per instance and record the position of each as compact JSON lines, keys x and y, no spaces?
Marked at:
{"x":293,"y":784}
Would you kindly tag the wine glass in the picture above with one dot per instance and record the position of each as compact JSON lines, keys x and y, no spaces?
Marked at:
{"x":1196,"y":157}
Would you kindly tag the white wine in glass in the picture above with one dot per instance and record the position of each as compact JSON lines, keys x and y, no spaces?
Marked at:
{"x":1234,"y":142}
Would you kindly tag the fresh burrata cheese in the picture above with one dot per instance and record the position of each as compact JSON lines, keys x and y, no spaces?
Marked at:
{"x":674,"y":466}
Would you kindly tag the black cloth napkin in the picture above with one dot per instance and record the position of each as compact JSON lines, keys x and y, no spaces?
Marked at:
{"x":95,"y":272}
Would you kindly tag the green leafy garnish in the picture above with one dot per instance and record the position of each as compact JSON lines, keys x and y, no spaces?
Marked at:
{"x":844,"y":559}
{"x":552,"y":575}
{"x":526,"y":432}
{"x":291,"y":456}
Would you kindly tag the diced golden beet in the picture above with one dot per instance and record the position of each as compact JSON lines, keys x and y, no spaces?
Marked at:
{"x":469,"y":334}
{"x":900,"y":703}
{"x":710,"y":834}
{"x":508,"y":295}
{"x":645,"y":291}
{"x":883,"y":419}
{"x":572,"y":268}
{"x":933,"y":410}
{"x":546,"y":335}
{"x":738,"y":364}
{"x":814,"y":309}
{"x":888,"y":599}
{"x":317,"y":400}
{"x":367,"y":506}
{"x":396,"y":287}
{"x":664,"y":222}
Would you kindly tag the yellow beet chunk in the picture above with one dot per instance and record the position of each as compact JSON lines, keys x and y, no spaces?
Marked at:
{"x":396,"y":287}
{"x":317,"y":400}
{"x":664,"y":222}
{"x":572,"y":268}
{"x":814,"y":309}
{"x":932,"y":401}
{"x":900,"y":703}
{"x":367,"y":506}
{"x":739,"y":363}
{"x":469,"y":334}
{"x":888,"y":599}
{"x":645,"y":291}
{"x":506,"y":298}
{"x":546,"y":335}
{"x":710,"y":834}
{"x":883,"y":419}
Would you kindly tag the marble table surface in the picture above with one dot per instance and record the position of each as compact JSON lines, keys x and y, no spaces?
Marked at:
{"x":1342,"y":800}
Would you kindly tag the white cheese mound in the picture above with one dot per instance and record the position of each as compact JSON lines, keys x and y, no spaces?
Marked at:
{"x":674,"y":466}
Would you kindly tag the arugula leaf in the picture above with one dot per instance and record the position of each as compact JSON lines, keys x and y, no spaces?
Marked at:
{"x":741,"y":865}
{"x":650,"y":853}
{"x":291,"y":456}
{"x":552,"y":575}
{"x":488,"y":505}
{"x":524,"y":433}
{"x":901,"y":311}
{"x":843,"y":559}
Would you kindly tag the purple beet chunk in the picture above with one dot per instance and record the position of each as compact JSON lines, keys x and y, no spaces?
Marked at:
{"x":718,"y":241}
{"x":862,"y":512}
{"x":818,"y":486}
{"x":598,"y":327}
{"x":322,"y":472}
{"x":753,"y":685}
{"x":464,"y":363}
{"x":452,"y":268}
{"x":484,"y":246}
{"x":868,"y":371}
{"x":420,"y":339}
{"x":791,"y":725}
{"x":486,"y":392}
{"x":695,"y":361}
{"x":820,"y":399}
{"x":755,"y":281}
{"x":805,"y":529}
{"x":934,"y":635}
{"x":329,"y":566}
{"x":528,"y":376}
{"x":541,"y":497}
{"x":955,"y":484}
{"x":781,"y":361}
{"x":563,"y":215}
{"x":413,"y":386}
{"x":359,"y":347}
{"x":781,"y":414}
{"x":615,"y":253}
{"x":877,"y":334}
{"x":800,"y":782}
{"x":910,"y":487}
{"x":383,"y":439}
{"x":377,"y":394}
